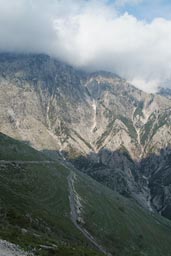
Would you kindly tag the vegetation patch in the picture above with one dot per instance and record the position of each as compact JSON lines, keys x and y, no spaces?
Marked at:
{"x":129,"y":124}
{"x":139,"y":110}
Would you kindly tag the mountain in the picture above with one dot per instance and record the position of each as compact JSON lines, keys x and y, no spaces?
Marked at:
{"x":103,"y":125}
{"x":49,"y":209}
{"x":164,"y":91}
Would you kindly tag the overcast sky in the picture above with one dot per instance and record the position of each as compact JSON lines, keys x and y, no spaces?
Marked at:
{"x":129,"y":37}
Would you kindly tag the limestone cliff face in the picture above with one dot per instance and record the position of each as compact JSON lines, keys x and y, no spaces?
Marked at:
{"x":104,"y":125}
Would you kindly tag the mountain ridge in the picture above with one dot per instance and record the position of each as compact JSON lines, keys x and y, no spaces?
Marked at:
{"x":62,"y":110}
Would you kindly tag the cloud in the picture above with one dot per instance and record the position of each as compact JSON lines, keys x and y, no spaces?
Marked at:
{"x":91,"y":35}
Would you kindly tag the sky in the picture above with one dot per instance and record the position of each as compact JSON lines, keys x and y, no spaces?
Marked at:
{"x":146,"y":9}
{"x":131,"y":38}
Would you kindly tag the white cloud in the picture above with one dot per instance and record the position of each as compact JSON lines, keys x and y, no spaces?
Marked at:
{"x":89,"y":34}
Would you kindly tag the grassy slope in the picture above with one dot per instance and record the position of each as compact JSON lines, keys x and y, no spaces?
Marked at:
{"x":120,"y":225}
{"x":11,"y":149}
{"x":34,"y":211}
{"x":34,"y":204}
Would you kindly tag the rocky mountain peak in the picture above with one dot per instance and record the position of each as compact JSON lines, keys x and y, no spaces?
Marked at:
{"x":99,"y":121}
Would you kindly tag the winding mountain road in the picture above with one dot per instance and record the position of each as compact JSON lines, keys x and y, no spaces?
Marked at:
{"x":75,"y":216}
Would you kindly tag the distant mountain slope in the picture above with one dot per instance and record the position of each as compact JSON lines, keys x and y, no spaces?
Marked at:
{"x":77,"y":112}
{"x":164,"y":91}
{"x":100,"y":122}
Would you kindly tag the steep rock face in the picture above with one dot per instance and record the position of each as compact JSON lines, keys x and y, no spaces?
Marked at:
{"x":100,"y":122}
{"x":42,"y":98}
{"x":157,"y":170}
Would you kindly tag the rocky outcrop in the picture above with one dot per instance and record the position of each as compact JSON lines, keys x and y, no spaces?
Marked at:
{"x":9,"y":249}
